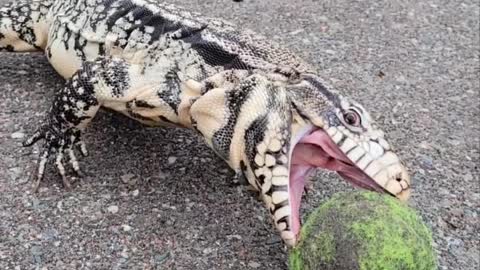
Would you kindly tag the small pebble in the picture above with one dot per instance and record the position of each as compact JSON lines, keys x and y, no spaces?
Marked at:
{"x":234,"y":236}
{"x":468,"y":177}
{"x":129,"y":179}
{"x":112,"y":209}
{"x":426,"y":163}
{"x":17,"y":135}
{"x":161,"y":258}
{"x":207,"y":250}
{"x":16,"y":172}
{"x":296,"y":32}
{"x":425,"y":145}
{"x":254,"y":265}
{"x":172,"y":160}
{"x":124,"y":254}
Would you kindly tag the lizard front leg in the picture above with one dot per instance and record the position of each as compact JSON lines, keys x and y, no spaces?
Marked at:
{"x":72,"y":109}
{"x":116,"y":84}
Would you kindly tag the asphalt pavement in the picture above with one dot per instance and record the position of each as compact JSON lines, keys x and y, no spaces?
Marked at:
{"x":160,"y":199}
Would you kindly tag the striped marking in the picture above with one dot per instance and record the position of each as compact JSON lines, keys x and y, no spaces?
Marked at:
{"x":282,"y":212}
{"x":281,"y":226}
{"x":364,"y":162}
{"x":355,"y":154}
{"x":348,"y":144}
{"x":381,"y":177}
{"x":373,"y":168}
{"x":337,"y":137}
{"x":266,"y":187}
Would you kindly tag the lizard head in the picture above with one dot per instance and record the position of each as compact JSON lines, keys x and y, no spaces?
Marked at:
{"x":275,"y":134}
{"x":21,"y":27}
{"x":332,"y":132}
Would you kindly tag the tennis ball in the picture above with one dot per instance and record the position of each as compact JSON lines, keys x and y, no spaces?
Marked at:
{"x":366,"y":231}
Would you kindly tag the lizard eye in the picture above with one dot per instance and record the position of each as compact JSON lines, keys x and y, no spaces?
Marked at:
{"x":352,"y":118}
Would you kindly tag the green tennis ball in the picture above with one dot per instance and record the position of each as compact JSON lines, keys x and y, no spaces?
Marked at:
{"x":364,"y":230}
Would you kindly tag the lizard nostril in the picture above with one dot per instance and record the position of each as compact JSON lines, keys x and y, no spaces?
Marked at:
{"x":399,"y":177}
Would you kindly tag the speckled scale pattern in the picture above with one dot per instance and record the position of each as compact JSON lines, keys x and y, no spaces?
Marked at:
{"x":23,"y":14}
{"x":162,"y":65}
{"x":235,"y":100}
{"x":114,"y":74}
{"x":136,"y":24}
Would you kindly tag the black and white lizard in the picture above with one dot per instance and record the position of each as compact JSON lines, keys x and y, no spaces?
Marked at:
{"x":262,"y":109}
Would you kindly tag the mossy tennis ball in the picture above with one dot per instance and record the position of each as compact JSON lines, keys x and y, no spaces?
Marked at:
{"x":364,"y":230}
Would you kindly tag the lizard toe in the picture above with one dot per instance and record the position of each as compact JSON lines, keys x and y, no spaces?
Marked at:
{"x":39,"y":134}
{"x":57,"y":145}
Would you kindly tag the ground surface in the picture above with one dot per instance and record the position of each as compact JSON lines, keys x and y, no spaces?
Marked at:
{"x":159,"y":199}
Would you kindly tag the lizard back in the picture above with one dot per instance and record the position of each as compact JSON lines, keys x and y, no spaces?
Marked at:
{"x":144,"y":31}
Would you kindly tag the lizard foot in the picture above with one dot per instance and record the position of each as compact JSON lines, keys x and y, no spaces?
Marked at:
{"x":57,"y":143}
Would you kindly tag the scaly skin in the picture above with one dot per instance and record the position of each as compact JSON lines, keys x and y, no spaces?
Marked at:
{"x":252,"y":100}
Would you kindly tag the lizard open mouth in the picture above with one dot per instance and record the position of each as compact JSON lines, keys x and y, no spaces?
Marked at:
{"x":316,"y":149}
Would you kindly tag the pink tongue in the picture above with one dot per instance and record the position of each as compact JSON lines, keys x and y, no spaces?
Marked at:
{"x":298,"y":174}
{"x":317,"y":150}
{"x":323,"y":140}
{"x":314,"y":156}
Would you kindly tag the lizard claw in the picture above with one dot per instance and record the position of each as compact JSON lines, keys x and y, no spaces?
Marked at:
{"x":82,"y":148}
{"x":38,"y":135}
{"x":58,"y":144}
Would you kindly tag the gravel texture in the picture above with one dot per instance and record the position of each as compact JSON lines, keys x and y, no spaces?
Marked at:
{"x":160,"y":199}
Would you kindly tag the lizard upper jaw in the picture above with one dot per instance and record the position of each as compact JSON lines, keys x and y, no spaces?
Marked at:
{"x":316,"y":149}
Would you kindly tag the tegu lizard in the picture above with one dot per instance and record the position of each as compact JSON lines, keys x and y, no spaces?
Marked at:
{"x":261,"y":108}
